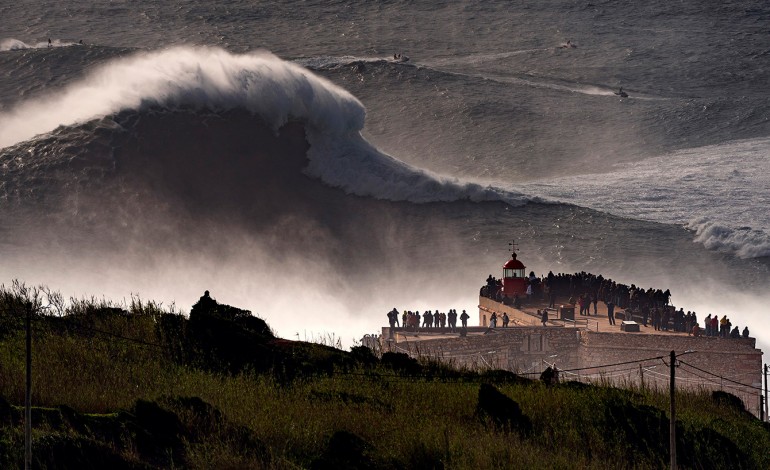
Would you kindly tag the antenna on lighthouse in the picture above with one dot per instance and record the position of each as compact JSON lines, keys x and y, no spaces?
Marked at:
{"x":513,"y":248}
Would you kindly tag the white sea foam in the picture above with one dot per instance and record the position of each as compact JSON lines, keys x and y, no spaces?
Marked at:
{"x":720,"y":192}
{"x":13,"y":45}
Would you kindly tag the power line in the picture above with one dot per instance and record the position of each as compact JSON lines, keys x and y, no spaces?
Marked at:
{"x":115,"y":335}
{"x":612,"y":365}
{"x":721,"y":377}
{"x":601,"y":367}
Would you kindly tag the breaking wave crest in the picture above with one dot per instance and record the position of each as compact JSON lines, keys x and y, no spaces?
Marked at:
{"x":745,"y":242}
{"x":277,"y":91}
{"x":199,"y":77}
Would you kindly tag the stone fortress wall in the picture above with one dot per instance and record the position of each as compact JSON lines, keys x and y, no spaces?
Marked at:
{"x":527,"y":347}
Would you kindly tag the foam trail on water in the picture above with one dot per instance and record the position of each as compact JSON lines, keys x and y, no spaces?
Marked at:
{"x":11,"y":44}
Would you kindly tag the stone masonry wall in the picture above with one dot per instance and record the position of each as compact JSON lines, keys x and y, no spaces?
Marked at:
{"x":521,"y":349}
{"x":528,"y":350}
{"x":735,"y":360}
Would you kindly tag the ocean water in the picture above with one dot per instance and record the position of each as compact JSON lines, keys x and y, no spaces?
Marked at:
{"x":275,"y":154}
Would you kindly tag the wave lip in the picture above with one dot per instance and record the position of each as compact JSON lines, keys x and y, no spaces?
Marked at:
{"x":191,"y":77}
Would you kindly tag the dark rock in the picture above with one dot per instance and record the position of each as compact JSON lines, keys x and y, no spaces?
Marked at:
{"x":706,"y":448}
{"x":72,"y":419}
{"x":159,"y":433}
{"x":363,"y":356}
{"x":6,"y":411}
{"x":401,"y":362}
{"x":642,"y":429}
{"x":550,"y":376}
{"x":503,"y":411}
{"x":203,"y":421}
{"x":729,"y":400}
{"x":202,"y":418}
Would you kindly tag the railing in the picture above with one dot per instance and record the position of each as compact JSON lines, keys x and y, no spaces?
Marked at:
{"x":584,"y":323}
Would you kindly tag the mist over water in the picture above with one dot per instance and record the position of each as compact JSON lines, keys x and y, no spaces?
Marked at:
{"x":325,"y":185}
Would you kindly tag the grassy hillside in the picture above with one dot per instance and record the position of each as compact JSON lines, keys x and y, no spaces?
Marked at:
{"x":134,"y":386}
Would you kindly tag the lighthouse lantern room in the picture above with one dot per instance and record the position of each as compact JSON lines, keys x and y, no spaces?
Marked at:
{"x":514,"y":280}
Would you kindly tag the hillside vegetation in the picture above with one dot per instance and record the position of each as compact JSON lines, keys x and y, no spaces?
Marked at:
{"x":138,"y":386}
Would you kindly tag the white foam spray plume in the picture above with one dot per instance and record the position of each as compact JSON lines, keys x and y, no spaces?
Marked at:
{"x":199,"y":77}
{"x":13,"y":45}
{"x":709,"y":296}
{"x":300,"y":297}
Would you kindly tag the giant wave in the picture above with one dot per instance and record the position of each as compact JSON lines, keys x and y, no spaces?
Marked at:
{"x":261,"y":83}
{"x":216,"y":81}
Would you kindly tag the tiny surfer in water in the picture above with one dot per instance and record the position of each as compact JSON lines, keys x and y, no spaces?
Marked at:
{"x":621,"y":93}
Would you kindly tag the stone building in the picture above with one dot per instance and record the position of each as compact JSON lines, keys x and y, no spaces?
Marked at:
{"x":590,"y":349}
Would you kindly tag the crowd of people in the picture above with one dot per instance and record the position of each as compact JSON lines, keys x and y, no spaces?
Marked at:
{"x":714,"y":326}
{"x":586,"y":290}
{"x":414,"y":320}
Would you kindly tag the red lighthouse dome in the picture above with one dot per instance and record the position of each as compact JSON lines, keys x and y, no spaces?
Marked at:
{"x":514,"y":280}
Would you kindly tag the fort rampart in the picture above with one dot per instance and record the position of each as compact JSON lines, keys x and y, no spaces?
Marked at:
{"x":581,"y":352}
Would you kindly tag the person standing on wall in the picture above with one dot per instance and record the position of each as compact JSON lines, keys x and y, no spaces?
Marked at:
{"x":611,"y":312}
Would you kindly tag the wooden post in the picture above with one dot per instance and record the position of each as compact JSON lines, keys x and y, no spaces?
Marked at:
{"x":28,"y":395}
{"x":672,"y":424}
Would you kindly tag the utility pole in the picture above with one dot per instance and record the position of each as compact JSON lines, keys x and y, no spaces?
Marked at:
{"x":766,"y":410}
{"x":28,"y":394}
{"x":672,"y":423}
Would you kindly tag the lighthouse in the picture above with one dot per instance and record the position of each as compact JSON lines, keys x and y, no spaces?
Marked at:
{"x":513,"y":278}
